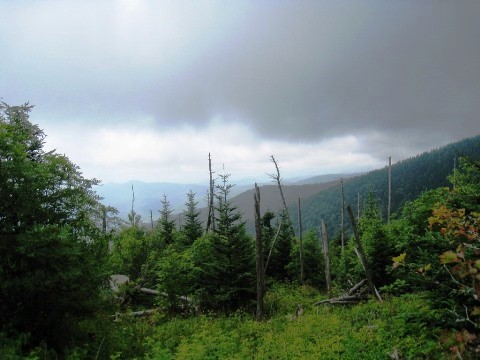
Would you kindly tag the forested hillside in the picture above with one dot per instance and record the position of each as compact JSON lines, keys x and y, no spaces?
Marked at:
{"x":76,"y":285}
{"x":271,"y":199}
{"x":410,"y":178}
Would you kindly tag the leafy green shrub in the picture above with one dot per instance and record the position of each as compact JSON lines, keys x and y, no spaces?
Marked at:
{"x":283,"y":299}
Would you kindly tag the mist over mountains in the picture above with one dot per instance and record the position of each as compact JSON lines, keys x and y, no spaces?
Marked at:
{"x":320,"y":194}
{"x":148,"y":196}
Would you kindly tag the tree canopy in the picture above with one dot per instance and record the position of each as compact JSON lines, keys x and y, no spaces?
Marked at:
{"x":50,"y":268}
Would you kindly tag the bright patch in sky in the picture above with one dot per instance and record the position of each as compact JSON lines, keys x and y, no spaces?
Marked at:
{"x":131,"y":152}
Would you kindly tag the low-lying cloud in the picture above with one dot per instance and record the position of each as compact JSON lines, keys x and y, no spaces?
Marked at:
{"x":399,"y":77}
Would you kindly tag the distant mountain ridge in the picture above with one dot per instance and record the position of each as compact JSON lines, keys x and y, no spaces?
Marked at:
{"x":320,"y":195}
{"x":148,"y":196}
{"x":410,"y":177}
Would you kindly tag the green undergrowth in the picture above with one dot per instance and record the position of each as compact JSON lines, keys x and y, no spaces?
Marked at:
{"x":400,"y":326}
{"x":403,"y":327}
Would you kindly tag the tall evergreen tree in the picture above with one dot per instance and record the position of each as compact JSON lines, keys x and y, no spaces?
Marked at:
{"x":232,"y":240}
{"x":225,"y":259}
{"x":51,"y":251}
{"x":166,"y":224}
{"x":192,"y":229}
{"x":376,"y":243}
{"x":281,"y":253}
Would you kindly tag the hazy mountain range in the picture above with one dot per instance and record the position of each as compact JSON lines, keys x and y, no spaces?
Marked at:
{"x":149,"y":196}
{"x":320,"y":194}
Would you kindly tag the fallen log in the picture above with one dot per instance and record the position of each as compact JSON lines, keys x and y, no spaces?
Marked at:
{"x":342,"y":302}
{"x":151,"y":291}
{"x":156,"y":292}
{"x":357,"y":287}
{"x":118,"y":315}
{"x":355,"y":299}
{"x":353,"y":296}
{"x":142,"y":312}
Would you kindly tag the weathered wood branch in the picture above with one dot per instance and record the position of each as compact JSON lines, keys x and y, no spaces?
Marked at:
{"x":300,"y":240}
{"x":211,"y":215}
{"x":142,"y":312}
{"x":355,"y":299}
{"x":389,"y":207}
{"x":357,"y":287}
{"x":271,"y":247}
{"x":353,"y":296}
{"x":277,"y":178}
{"x":342,"y":215}
{"x":326,"y":254}
{"x":158,"y":293}
{"x":259,"y":255}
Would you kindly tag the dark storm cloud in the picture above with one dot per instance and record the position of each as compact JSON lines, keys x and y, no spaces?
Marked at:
{"x":401,"y":67}
{"x":292,"y":70}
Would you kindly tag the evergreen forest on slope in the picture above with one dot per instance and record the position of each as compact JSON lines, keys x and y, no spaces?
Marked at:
{"x":410,"y":178}
{"x":192,"y":291}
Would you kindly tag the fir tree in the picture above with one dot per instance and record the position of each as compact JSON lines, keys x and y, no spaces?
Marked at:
{"x":192,"y":229}
{"x":374,"y":238}
{"x":166,"y":224}
{"x":232,"y":240}
{"x":278,"y":265}
{"x":225,"y":260}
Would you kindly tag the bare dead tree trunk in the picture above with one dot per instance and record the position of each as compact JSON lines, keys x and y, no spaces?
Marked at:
{"x":389,"y":188}
{"x":104,"y":219}
{"x":151,"y":219}
{"x":363,"y":257}
{"x":454,"y":172}
{"x":277,"y":178}
{"x":259,"y":255}
{"x":356,"y":287}
{"x":326,"y":253}
{"x":302,"y":276}
{"x":358,"y":206}
{"x":133,"y":197}
{"x":132,"y":211}
{"x":210,"y":219}
{"x":342,"y":215}
{"x":271,"y":247}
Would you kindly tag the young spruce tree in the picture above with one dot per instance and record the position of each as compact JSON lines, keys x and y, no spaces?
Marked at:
{"x":192,"y":229}
{"x":225,"y":260}
{"x":166,"y":224}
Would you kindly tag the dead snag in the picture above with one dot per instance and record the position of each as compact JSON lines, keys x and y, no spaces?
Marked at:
{"x":259,"y":255}
{"x":389,"y":208}
{"x":211,"y":217}
{"x":271,"y":247}
{"x":277,"y":178}
{"x":342,"y":214}
{"x":300,"y":240}
{"x":326,"y":254}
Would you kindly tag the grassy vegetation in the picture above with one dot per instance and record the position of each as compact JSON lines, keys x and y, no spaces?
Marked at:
{"x":372,"y":330}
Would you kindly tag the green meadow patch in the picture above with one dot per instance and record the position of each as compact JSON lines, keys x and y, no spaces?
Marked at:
{"x":397,"y":327}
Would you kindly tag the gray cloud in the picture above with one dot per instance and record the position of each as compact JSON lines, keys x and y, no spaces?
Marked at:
{"x":298,"y":71}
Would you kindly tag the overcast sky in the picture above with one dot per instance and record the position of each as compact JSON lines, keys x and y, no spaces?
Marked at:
{"x":137,"y":89}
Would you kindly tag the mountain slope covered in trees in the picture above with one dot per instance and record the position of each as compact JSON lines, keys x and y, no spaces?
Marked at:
{"x":410,"y":178}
